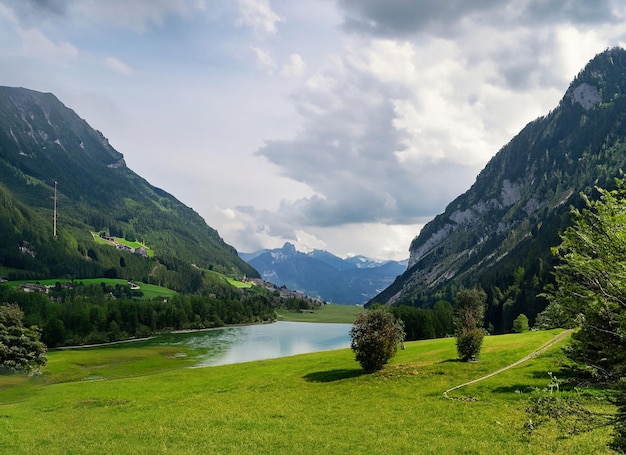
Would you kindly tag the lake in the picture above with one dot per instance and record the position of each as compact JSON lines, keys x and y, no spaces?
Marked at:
{"x":257,"y":342}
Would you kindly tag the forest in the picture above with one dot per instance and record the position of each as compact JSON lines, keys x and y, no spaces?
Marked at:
{"x":99,"y":313}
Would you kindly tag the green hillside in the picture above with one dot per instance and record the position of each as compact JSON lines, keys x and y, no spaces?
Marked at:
{"x":44,"y":144}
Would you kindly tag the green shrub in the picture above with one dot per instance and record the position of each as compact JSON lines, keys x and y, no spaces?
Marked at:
{"x":469,"y":314}
{"x":520,"y":324}
{"x":468,"y":344}
{"x":374,"y":337}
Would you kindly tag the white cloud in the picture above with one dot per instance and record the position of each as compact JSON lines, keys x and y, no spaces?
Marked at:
{"x":258,"y":15}
{"x":264,"y":59}
{"x":118,"y":65}
{"x":35,"y":44}
{"x":294,"y":68}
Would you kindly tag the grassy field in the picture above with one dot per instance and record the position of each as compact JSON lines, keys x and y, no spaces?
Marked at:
{"x":327,"y":313}
{"x":122,"y":241}
{"x":126,"y":399}
{"x":218,"y":276}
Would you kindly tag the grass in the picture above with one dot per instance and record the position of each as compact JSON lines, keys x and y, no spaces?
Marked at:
{"x":127,"y":399}
{"x":122,"y":241}
{"x":327,"y":313}
{"x":221,"y":277}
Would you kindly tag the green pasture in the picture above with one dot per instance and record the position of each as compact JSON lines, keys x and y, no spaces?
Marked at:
{"x":327,"y":313}
{"x":236,"y":283}
{"x":122,"y":241}
{"x":140,"y":400}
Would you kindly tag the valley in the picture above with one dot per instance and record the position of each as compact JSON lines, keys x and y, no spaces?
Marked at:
{"x":518,"y":239}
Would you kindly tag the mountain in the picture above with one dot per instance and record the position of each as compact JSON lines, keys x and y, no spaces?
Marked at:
{"x":322,"y":274}
{"x":498,"y":234}
{"x":46,"y":149}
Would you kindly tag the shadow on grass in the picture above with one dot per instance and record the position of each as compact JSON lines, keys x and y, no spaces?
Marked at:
{"x":333,"y":375}
{"x":450,"y":361}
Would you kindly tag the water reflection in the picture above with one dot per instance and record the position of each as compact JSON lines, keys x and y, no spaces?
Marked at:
{"x":258,"y":342}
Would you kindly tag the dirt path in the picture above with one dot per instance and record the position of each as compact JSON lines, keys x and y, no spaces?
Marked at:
{"x":554,"y":340}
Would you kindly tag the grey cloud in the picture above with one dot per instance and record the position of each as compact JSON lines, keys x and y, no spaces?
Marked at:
{"x":397,"y":18}
{"x":32,"y":11}
{"x":346,"y":152}
{"x":405,"y":17}
{"x":586,"y":12}
{"x":53,"y":6}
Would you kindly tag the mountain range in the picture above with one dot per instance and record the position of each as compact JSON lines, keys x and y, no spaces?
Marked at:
{"x":498,"y":234}
{"x":318,"y":273}
{"x":51,"y":159}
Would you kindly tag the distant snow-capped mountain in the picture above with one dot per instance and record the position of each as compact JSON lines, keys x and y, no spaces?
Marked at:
{"x":353,"y":280}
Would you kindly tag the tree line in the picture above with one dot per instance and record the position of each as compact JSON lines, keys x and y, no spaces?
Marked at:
{"x":97,"y":313}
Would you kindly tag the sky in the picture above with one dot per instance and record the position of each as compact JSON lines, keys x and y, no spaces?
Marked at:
{"x":343,"y":125}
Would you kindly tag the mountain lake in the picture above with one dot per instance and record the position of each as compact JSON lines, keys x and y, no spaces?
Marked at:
{"x":229,"y":345}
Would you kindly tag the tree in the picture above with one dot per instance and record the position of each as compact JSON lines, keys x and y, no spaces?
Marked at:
{"x":469,"y":315}
{"x":520,"y":324}
{"x":590,"y":281}
{"x":20,"y":348}
{"x":374,"y":338}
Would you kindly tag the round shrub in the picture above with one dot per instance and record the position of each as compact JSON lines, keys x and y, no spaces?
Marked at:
{"x":374,"y":337}
{"x":468,"y":344}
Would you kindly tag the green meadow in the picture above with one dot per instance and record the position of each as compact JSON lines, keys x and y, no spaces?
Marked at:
{"x":327,"y":313}
{"x":146,"y":400}
{"x":122,"y":241}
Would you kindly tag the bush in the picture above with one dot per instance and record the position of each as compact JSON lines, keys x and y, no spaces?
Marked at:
{"x":469,"y":313}
{"x":520,"y":324}
{"x":374,"y":337}
{"x":468,"y":344}
{"x":20,"y":348}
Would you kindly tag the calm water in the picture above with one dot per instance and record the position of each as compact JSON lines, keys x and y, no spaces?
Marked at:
{"x":257,"y":342}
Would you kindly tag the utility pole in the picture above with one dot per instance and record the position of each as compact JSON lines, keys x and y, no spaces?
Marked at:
{"x":54,"y":231}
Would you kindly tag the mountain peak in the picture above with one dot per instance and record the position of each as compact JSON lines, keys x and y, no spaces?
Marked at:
{"x":288,"y":249}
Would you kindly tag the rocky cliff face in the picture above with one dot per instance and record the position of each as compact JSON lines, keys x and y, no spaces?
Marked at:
{"x":512,"y":214}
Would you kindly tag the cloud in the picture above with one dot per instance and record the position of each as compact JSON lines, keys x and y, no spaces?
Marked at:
{"x":258,"y":15}
{"x":138,"y":15}
{"x":402,"y":18}
{"x":32,"y":43}
{"x":376,"y":129}
{"x":264,"y":59}
{"x":294,"y":68}
{"x":118,"y":65}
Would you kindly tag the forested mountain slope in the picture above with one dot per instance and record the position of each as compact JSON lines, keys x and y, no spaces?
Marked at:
{"x":498,"y":234}
{"x":43,"y":142}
